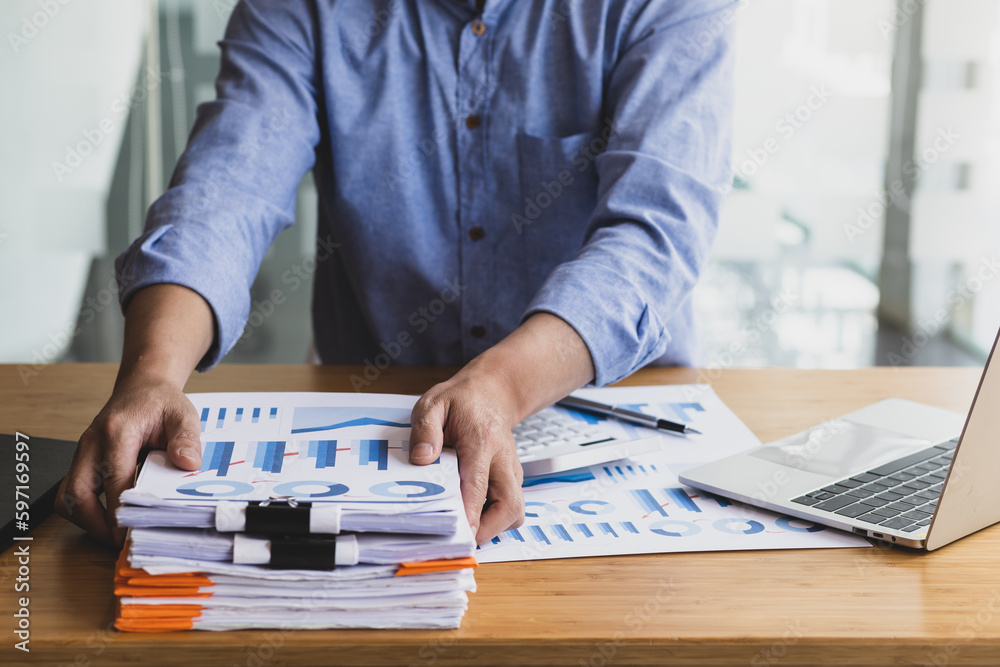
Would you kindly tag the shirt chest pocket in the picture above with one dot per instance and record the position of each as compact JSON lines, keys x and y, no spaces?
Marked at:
{"x":558,"y":179}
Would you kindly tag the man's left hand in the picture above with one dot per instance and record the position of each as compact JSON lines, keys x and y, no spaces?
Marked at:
{"x":473,"y":414}
{"x":537,"y":364}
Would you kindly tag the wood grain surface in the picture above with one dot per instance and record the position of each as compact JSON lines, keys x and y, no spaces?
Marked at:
{"x":875,"y":606}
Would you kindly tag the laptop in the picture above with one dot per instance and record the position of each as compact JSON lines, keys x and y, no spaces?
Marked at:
{"x":897,"y":471}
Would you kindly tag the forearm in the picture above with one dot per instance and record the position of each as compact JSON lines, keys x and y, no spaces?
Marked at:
{"x":168,"y":329}
{"x":537,"y":364}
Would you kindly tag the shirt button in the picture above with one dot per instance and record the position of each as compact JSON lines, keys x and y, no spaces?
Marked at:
{"x":473,"y":121}
{"x":478,"y":28}
{"x":478,"y":331}
{"x":477,"y":233}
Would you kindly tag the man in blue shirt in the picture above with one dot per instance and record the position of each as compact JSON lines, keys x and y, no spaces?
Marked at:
{"x":529,"y":188}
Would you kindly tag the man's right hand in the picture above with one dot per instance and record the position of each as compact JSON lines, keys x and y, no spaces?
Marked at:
{"x":168,"y":329}
{"x":140,"y":413}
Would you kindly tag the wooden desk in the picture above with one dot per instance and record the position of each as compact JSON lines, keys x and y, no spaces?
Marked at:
{"x":820,"y":607}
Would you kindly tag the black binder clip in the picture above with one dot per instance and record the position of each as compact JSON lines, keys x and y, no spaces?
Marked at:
{"x":304,"y":553}
{"x":285,"y":516}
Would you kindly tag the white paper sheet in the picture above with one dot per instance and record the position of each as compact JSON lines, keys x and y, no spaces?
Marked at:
{"x":638,"y":506}
{"x":348,"y":449}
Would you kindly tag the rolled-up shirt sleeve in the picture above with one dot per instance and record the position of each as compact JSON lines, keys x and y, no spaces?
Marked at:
{"x":661,"y":183}
{"x":234,"y":188}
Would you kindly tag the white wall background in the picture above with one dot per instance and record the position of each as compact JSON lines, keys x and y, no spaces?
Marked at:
{"x":66,"y":73}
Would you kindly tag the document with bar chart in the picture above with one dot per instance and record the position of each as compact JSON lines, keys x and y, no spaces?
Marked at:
{"x":351,"y":449}
{"x":638,"y":506}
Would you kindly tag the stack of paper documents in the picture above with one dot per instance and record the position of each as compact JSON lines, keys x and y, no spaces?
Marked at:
{"x":305,"y":513}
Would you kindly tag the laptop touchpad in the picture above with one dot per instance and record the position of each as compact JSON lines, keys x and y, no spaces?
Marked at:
{"x":840,"y":448}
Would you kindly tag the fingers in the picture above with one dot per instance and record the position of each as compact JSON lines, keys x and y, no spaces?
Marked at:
{"x":77,"y":499}
{"x":182,"y":431}
{"x":427,"y":430}
{"x":119,"y":472}
{"x":474,"y":463}
{"x":505,"y":509}
{"x":491,"y":475}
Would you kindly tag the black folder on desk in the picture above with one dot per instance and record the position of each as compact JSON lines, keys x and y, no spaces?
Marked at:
{"x":45,"y":462}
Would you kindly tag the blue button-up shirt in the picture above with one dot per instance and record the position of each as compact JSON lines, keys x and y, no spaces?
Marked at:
{"x":473,"y":167}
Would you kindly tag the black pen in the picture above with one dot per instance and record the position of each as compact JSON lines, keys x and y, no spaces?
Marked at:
{"x":630,"y":416}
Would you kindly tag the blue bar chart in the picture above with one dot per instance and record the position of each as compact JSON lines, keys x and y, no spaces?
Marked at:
{"x":623,"y":472}
{"x":683,"y":500}
{"x":562,"y":533}
{"x":374,"y":451}
{"x":677,"y":498}
{"x":217,"y":456}
{"x":719,"y":499}
{"x":323,"y":451}
{"x":539,"y":534}
{"x":558,"y":533}
{"x":647,"y":503}
{"x":269,"y":456}
{"x":224,"y":417}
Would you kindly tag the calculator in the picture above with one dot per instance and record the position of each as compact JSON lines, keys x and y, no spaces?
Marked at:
{"x":550,"y":441}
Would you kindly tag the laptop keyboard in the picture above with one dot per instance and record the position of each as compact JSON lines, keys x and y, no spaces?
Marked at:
{"x":900,"y":495}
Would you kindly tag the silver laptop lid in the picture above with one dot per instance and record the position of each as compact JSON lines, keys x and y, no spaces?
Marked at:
{"x":970,"y":499}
